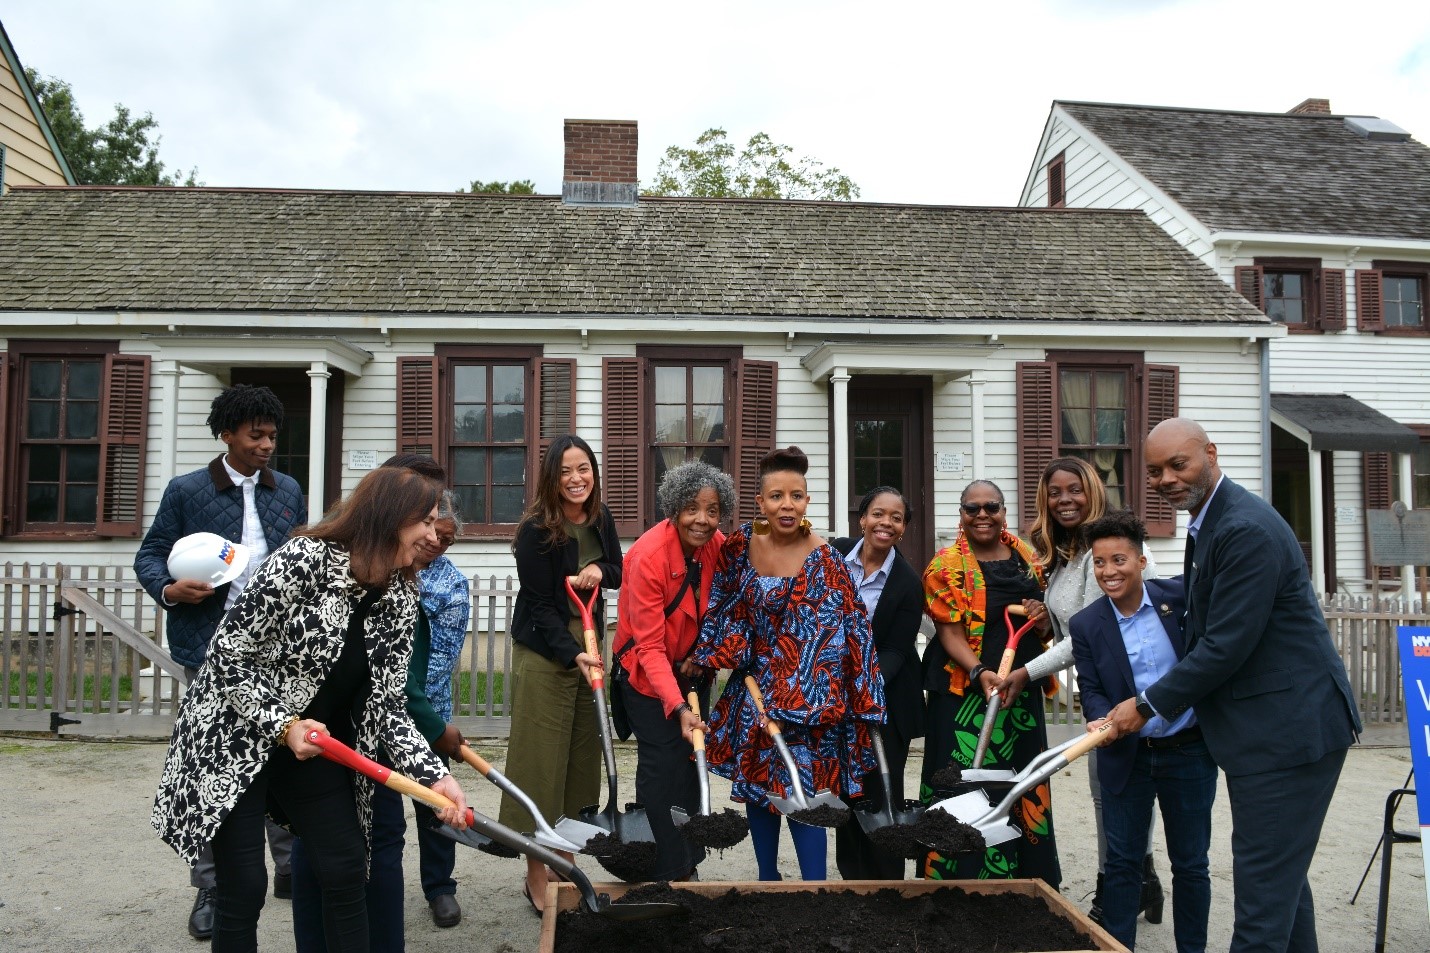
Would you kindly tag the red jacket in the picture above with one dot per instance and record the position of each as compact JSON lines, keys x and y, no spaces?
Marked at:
{"x":654,"y":572}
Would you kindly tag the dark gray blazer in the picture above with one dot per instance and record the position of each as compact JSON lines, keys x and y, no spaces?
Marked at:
{"x":1269,"y":689}
{"x":895,"y":626}
{"x":1104,"y":675}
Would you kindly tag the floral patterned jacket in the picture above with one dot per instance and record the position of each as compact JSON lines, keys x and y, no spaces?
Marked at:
{"x":266,"y":662}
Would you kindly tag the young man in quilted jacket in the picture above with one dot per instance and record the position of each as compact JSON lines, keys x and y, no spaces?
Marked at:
{"x":241,"y":499}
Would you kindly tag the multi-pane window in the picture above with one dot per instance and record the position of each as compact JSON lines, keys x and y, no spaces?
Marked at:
{"x":59,"y":442}
{"x":1404,"y":301}
{"x":488,"y":442}
{"x":689,"y":423}
{"x":1286,"y":296}
{"x":1094,"y":425}
{"x":877,"y":454}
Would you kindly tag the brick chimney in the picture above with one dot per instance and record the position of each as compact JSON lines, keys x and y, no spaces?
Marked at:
{"x":1311,"y":107}
{"x":600,"y":162}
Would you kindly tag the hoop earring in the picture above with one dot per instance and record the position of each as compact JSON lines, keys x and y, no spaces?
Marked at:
{"x":805,"y":526}
{"x":760,"y":526}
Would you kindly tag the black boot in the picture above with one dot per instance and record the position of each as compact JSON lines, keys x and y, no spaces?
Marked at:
{"x":1152,"y":896}
{"x":1094,"y":913}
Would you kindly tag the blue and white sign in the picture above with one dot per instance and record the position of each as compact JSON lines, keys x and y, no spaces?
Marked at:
{"x":1415,"y":673}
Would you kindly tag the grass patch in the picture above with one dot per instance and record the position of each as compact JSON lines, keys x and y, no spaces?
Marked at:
{"x":472,"y":690}
{"x":32,"y":681}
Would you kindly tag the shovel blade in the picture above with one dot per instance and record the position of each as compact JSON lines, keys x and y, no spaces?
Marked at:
{"x":557,"y":843}
{"x":984,"y":775}
{"x":786,"y":805}
{"x":997,"y":832}
{"x":578,"y":832}
{"x":967,"y":808}
{"x":679,"y":816}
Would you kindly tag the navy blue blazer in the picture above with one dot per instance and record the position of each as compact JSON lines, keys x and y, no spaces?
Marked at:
{"x":1104,"y":675}
{"x":1269,"y":688}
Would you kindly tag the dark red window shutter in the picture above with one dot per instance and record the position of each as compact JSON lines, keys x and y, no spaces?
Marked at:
{"x":1333,"y":299}
{"x":123,"y":432}
{"x":1037,"y":431}
{"x":756,"y":386}
{"x":1249,"y":283}
{"x":1160,"y":398}
{"x":623,"y":443}
{"x":419,"y":408}
{"x":556,"y":396}
{"x":1376,"y":474}
{"x":1057,"y":181}
{"x":5,"y":523}
{"x":1370,"y":304}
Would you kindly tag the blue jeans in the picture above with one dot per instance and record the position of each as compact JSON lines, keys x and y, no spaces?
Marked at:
{"x":1183,"y":781}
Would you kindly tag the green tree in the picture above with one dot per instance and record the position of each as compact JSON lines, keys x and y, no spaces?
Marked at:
{"x":515,"y":187}
{"x":764,"y":169}
{"x":120,"y":152}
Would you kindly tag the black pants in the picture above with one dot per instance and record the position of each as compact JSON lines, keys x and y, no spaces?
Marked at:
{"x":665,"y":778}
{"x":854,"y":854}
{"x":317,"y":796}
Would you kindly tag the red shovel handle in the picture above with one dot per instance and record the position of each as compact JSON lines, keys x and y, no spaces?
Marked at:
{"x":588,"y":627}
{"x":335,"y":750}
{"x":1005,"y":665}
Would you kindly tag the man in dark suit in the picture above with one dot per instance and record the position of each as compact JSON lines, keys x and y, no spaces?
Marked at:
{"x":1270,"y":692}
{"x":1123,"y":644}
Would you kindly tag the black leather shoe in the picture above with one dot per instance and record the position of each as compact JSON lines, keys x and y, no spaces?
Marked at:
{"x":283,"y":885}
{"x":1094,"y":913}
{"x":446,"y":912}
{"x":1152,"y":895}
{"x":201,"y":918}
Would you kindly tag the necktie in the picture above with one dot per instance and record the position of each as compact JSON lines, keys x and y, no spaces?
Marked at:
{"x":1188,"y":559}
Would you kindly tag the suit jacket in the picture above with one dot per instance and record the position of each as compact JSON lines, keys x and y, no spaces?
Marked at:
{"x":654,"y":572}
{"x":896,"y":630}
{"x":1269,"y":688}
{"x":1104,"y":675}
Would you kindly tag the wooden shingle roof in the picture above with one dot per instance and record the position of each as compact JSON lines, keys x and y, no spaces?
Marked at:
{"x":106,"y":249}
{"x":1271,"y":172}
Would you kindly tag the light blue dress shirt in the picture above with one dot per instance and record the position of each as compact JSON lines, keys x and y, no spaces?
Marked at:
{"x":1150,"y":652}
{"x":870,"y":587}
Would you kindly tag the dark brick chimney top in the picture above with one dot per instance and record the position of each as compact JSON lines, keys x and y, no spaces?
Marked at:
{"x":600,"y":162}
{"x":1311,"y":107}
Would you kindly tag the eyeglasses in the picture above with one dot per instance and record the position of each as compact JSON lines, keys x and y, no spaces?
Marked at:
{"x":445,"y":541}
{"x":990,"y":508}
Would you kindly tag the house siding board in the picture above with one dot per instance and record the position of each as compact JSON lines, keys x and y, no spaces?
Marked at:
{"x":28,"y":159}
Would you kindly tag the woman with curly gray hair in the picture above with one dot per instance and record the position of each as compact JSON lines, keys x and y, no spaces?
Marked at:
{"x":666,"y":586}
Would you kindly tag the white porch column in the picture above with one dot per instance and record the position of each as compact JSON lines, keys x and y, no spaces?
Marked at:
{"x":169,"y":372}
{"x":317,"y":436}
{"x":1407,"y":495}
{"x":975,"y":421}
{"x":1318,"y":524}
{"x":839,"y":472}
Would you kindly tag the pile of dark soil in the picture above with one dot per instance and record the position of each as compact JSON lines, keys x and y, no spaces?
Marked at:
{"x":936,"y":830}
{"x":822,"y":816}
{"x":631,"y":862}
{"x":716,"y":831}
{"x":949,"y":921}
{"x":947,"y":779}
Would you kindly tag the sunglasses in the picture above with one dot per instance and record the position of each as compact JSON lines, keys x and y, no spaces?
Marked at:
{"x":990,"y":508}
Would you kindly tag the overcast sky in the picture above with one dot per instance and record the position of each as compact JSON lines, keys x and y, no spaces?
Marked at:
{"x":933,"y":102}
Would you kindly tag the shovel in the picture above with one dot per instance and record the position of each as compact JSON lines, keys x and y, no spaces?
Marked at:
{"x":993,"y":823}
{"x":633,"y":826}
{"x":717,"y":833}
{"x":908,"y":815}
{"x":678,"y":814}
{"x":797,"y":802}
{"x":335,"y":750}
{"x":484,"y":833}
{"x":544,"y":835}
{"x":1005,"y":665}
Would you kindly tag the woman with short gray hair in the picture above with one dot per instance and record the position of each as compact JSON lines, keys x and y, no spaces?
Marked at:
{"x":665,"y":590}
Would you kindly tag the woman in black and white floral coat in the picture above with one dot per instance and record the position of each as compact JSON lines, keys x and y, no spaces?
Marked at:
{"x":318,"y":640}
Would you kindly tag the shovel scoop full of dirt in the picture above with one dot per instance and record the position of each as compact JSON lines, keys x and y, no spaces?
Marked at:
{"x":716,"y":831}
{"x":631,"y":862}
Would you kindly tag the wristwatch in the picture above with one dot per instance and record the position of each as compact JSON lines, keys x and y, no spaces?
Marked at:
{"x":1144,"y":708}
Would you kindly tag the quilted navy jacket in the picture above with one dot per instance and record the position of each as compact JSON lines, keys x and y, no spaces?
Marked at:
{"x":207,"y":501}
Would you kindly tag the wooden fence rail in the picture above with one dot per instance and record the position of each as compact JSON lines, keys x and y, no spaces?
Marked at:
{"x":85,"y":644}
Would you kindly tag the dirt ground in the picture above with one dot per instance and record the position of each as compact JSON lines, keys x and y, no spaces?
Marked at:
{"x":80,"y":868}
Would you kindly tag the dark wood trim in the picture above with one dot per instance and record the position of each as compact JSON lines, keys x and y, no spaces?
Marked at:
{"x":1312,"y":268}
{"x":700,"y":353}
{"x":29,"y":348}
{"x":1328,"y":518}
{"x":1058,"y":181}
{"x":1392,"y":268}
{"x":495,"y":352}
{"x":918,"y":487}
{"x":333,"y":440}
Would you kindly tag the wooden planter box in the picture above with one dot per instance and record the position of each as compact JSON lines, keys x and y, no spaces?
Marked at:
{"x":566,"y":896}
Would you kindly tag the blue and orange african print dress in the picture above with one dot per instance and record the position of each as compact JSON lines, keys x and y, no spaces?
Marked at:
{"x":807,"y":642}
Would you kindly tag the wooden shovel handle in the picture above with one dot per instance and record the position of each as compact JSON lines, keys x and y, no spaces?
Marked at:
{"x":1093,"y":739}
{"x":697,"y":737}
{"x":772,"y":726}
{"x":475,"y":760}
{"x":335,"y":750}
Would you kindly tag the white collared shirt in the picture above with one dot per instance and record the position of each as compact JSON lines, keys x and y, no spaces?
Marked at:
{"x":869,"y":587}
{"x":253,"y":538}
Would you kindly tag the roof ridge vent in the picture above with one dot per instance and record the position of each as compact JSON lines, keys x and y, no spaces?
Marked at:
{"x":1376,"y":129}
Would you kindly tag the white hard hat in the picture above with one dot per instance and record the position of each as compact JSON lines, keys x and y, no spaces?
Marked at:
{"x":207,"y":557}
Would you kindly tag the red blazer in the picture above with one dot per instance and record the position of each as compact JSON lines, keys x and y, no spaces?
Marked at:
{"x":654,"y":572}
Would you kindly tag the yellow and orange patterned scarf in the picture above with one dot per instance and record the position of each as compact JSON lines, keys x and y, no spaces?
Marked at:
{"x":954,"y":591}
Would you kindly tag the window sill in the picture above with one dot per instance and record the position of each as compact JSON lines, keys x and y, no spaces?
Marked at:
{"x":58,"y":536}
{"x":1401,"y":333}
